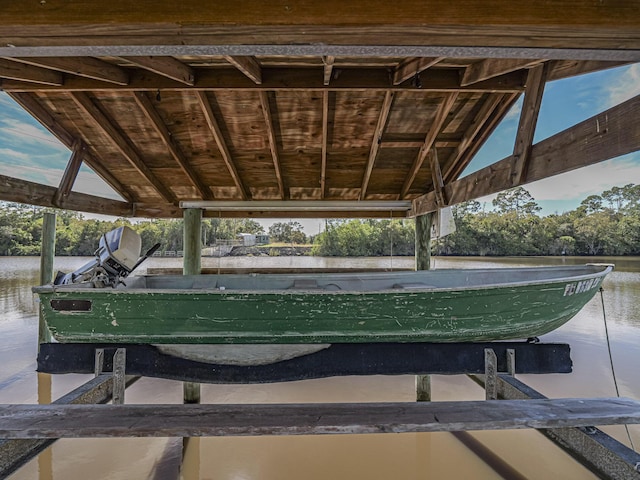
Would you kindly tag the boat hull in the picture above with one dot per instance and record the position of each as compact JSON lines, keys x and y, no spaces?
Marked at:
{"x":316,"y":316}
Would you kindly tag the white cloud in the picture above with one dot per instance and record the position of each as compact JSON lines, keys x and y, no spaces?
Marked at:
{"x":515,"y":110}
{"x":31,"y":134}
{"x":592,"y":180}
{"x":624,"y":87}
{"x":569,"y":189}
{"x":14,"y":155}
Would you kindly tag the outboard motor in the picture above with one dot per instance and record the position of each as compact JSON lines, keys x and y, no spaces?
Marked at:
{"x":117,"y":256}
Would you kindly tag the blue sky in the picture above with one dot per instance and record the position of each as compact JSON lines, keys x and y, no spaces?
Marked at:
{"x":29,"y":152}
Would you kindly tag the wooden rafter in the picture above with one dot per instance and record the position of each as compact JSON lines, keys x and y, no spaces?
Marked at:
{"x":483,"y":134}
{"x":476,"y":125}
{"x":40,"y":113}
{"x":436,"y":176}
{"x":441,"y":115}
{"x":210,"y":118}
{"x":411,"y":67}
{"x":247,"y":65}
{"x":278,"y":78}
{"x":546,"y":24}
{"x":375,"y":143}
{"x":493,"y":67}
{"x":118,"y":139}
{"x":559,"y":69}
{"x":22,"y":191}
{"x":328,"y":62}
{"x":167,"y":67}
{"x":70,"y":173}
{"x":607,"y":135}
{"x":273,"y":146}
{"x":161,"y":129}
{"x":325,"y":140}
{"x":527,"y":124}
{"x":14,"y":70}
{"x":88,"y":67}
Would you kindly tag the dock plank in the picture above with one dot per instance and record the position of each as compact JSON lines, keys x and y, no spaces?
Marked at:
{"x":76,"y":421}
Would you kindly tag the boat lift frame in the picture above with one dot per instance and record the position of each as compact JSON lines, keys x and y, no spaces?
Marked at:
{"x":510,"y":404}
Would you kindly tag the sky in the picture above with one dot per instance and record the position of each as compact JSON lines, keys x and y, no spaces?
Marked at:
{"x":29,"y":152}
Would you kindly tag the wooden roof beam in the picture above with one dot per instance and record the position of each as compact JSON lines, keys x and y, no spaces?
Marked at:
{"x":88,"y":67}
{"x":22,"y":191}
{"x":411,"y":67}
{"x":375,"y":143}
{"x":569,"y":68}
{"x":469,"y":136}
{"x":325,"y":140}
{"x":328,"y":62}
{"x":607,"y":135}
{"x":210,"y":118}
{"x":145,"y":104}
{"x":167,"y":67}
{"x":528,"y":119}
{"x":100,"y":120}
{"x":289,"y":79}
{"x":247,"y":65}
{"x":40,"y":113}
{"x":273,"y":146}
{"x":70,"y":173}
{"x":493,"y":67}
{"x":14,"y":70}
{"x":441,"y":115}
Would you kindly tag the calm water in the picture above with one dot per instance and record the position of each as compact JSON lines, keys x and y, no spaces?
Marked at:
{"x":525,"y":454}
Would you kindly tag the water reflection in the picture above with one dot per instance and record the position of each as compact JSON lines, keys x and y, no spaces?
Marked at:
{"x":422,"y":456}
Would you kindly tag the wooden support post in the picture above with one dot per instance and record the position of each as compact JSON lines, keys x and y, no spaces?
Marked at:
{"x":423,"y":388}
{"x":491,"y":374}
{"x":47,"y":252}
{"x":423,"y":241}
{"x":98,"y":362}
{"x":119,"y":379}
{"x":192,"y":266}
{"x":423,"y":262}
{"x":511,"y":362}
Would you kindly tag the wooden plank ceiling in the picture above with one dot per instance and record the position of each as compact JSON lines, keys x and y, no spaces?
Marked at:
{"x":319,"y":125}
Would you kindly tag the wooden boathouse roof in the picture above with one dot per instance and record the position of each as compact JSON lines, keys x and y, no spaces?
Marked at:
{"x":330,"y":108}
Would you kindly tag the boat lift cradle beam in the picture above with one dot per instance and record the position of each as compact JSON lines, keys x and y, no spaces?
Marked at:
{"x":337,"y":360}
{"x":15,"y":453}
{"x":595,"y":450}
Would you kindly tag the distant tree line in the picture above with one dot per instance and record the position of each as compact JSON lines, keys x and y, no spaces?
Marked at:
{"x":606,"y":224}
{"x":21,"y":229}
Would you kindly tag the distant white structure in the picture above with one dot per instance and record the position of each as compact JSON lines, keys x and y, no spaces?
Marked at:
{"x":250,"y":240}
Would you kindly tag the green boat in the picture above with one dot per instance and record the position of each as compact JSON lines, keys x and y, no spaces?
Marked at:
{"x":425,"y":306}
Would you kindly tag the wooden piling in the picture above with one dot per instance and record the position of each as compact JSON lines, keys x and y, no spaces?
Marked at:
{"x":47,"y":252}
{"x":423,"y":262}
{"x":192,"y":266}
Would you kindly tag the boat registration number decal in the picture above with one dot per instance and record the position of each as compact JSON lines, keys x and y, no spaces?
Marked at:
{"x":579,"y":287}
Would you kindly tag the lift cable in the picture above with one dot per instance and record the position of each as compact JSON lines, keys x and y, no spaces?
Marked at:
{"x":613,"y":372}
